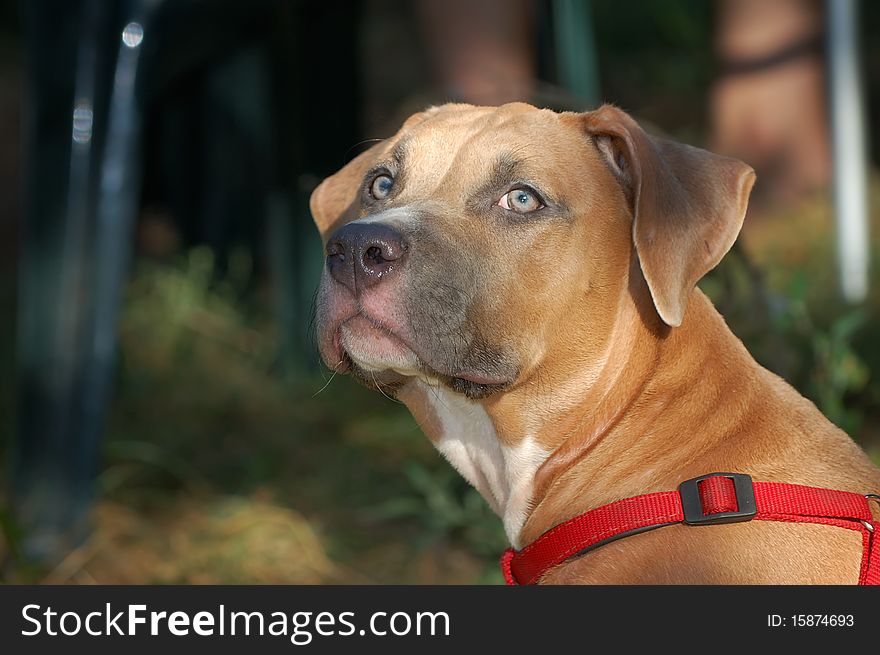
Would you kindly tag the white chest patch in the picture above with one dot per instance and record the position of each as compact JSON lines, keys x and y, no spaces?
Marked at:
{"x":503,"y":475}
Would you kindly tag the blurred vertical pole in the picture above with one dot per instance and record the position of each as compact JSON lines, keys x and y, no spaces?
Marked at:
{"x":576,"y":49}
{"x":63,"y":48}
{"x":83,"y":188}
{"x":116,"y":206}
{"x":848,"y":140}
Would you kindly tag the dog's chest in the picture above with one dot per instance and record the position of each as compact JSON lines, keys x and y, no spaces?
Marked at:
{"x":502,"y":474}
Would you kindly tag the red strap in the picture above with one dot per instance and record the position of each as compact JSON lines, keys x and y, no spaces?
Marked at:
{"x":871,"y":565}
{"x":774,"y":501}
{"x":718,"y":495}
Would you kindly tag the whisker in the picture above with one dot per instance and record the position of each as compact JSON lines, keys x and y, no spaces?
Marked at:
{"x":379,"y":388}
{"x":332,"y":375}
{"x":360,"y":143}
{"x":435,"y":391}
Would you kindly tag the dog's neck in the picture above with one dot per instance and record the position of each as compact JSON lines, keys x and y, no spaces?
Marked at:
{"x":541,"y":453}
{"x":625,"y":437}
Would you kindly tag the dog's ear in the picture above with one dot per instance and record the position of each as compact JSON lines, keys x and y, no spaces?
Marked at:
{"x":688,"y":205}
{"x":336,"y":200}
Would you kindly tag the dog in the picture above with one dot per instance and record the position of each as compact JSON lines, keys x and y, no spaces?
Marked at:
{"x":524,"y":281}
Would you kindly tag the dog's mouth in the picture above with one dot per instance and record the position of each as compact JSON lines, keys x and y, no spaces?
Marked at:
{"x":390,"y":382}
{"x":382,"y":360}
{"x":475,"y":390}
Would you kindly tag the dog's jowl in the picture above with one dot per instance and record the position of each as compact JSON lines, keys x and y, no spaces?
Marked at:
{"x":524,"y":281}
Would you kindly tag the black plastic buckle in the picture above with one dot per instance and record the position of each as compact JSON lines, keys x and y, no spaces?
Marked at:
{"x":692,"y":506}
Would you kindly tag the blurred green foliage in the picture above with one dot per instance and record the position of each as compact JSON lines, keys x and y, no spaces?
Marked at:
{"x":816,"y":353}
{"x":446,"y":508}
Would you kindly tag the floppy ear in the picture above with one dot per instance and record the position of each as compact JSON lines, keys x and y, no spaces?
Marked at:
{"x":688,"y":205}
{"x":335,"y":201}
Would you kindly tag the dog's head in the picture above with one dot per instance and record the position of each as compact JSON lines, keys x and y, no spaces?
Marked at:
{"x":479,"y":241}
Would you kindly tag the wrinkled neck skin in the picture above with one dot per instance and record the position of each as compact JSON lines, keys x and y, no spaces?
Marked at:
{"x":599,"y":422}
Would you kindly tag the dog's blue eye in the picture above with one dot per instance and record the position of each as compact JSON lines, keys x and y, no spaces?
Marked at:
{"x":521,"y":201}
{"x":381,"y":186}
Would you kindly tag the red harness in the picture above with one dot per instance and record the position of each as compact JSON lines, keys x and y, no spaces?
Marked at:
{"x":707,"y":500}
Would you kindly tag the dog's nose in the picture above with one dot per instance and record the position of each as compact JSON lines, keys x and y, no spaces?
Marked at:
{"x":360,"y":255}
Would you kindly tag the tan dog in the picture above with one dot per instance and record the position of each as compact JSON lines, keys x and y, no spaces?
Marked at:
{"x":523,"y":281}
